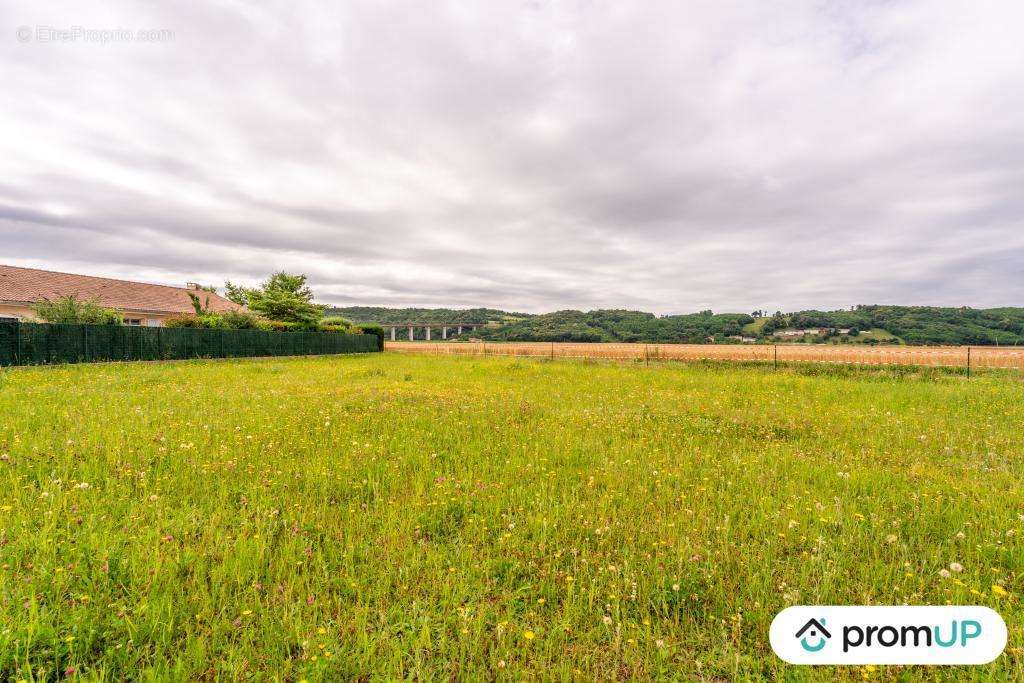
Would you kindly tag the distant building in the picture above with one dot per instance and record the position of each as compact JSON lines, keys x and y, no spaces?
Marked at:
{"x":805,"y":333}
{"x":140,"y":303}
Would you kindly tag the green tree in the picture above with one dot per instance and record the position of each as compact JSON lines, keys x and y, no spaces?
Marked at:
{"x":283,"y":297}
{"x":236,"y":293}
{"x":69,"y":310}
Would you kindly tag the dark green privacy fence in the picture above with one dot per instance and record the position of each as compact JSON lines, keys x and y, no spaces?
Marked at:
{"x":36,"y":343}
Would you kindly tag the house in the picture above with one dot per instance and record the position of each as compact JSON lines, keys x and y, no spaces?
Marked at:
{"x":140,"y":303}
{"x":803,"y":333}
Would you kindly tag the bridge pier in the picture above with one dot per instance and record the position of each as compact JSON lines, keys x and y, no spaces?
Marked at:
{"x":428,"y":329}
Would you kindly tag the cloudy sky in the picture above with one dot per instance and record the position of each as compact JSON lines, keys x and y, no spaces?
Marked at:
{"x":531,"y":156}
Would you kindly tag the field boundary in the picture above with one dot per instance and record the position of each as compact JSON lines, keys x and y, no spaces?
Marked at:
{"x":51,"y":344}
{"x":968,"y":358}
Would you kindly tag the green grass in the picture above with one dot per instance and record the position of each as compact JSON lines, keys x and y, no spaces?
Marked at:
{"x":877,"y":334}
{"x":467,"y":518}
{"x":754,"y":329}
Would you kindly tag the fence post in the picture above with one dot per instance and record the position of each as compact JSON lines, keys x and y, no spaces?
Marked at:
{"x":968,"y":362}
{"x":776,"y":347}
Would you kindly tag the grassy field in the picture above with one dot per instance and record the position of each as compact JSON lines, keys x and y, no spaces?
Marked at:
{"x":987,"y":357}
{"x":458,"y":517}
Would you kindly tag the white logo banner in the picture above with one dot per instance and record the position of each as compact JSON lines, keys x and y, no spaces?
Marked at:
{"x":888,"y":635}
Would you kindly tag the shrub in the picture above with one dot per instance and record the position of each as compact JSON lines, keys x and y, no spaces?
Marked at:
{"x":231,"y":320}
{"x":282,"y":326}
{"x":185,"y":320}
{"x":335,"y":323}
{"x":243,"y":320}
{"x":69,"y":310}
{"x":371,"y":328}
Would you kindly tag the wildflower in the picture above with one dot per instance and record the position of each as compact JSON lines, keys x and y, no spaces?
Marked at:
{"x":956,"y":567}
{"x":999,"y":591}
{"x":607,"y":620}
{"x":541,"y":601}
{"x":891,"y":538}
{"x":944,"y":573}
{"x":153,"y":498}
{"x":83,"y":485}
{"x":675,"y":587}
{"x":960,"y":534}
{"x":529,"y":635}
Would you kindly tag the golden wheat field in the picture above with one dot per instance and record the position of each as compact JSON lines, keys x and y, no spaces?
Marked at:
{"x":945,"y":356}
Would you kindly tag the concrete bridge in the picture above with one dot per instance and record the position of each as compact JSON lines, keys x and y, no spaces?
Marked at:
{"x":444,"y":327}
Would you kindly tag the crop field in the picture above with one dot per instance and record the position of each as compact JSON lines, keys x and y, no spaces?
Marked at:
{"x":934,"y":356}
{"x":416,"y":516}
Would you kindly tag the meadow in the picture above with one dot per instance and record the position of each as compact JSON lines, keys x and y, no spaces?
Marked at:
{"x":411,"y":516}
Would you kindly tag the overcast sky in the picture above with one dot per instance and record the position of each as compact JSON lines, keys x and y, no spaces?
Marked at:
{"x":530,"y":156}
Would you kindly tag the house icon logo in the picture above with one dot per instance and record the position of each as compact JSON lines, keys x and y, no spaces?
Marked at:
{"x":817,"y":633}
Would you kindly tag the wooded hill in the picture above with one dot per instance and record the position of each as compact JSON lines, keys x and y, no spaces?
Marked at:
{"x":866,"y":324}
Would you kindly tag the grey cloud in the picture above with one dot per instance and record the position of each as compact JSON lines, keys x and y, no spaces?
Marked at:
{"x":531,"y":156}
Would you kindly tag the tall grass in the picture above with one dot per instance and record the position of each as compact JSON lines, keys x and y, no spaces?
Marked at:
{"x":476,"y":518}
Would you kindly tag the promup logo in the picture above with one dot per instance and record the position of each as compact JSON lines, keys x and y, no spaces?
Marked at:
{"x":817,"y":630}
{"x":888,"y":635}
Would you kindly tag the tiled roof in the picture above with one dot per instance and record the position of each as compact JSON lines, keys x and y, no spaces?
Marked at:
{"x":28,"y":285}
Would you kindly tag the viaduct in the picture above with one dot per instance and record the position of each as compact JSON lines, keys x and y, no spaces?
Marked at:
{"x":427,"y":327}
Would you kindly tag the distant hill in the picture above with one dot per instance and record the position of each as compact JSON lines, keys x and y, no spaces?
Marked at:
{"x":918,"y":324}
{"x":861,"y":325}
{"x":620,"y":326}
